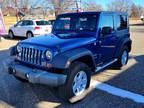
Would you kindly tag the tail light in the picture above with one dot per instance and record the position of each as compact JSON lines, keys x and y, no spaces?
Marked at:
{"x":37,"y":28}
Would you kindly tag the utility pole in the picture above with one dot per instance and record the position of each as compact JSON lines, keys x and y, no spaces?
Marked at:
{"x":15,"y":1}
{"x":77,"y":7}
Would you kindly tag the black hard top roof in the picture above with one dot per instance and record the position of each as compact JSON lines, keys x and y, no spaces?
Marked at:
{"x":100,"y":12}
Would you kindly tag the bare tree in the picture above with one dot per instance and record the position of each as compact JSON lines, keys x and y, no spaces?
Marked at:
{"x":59,"y":6}
{"x":7,"y":3}
{"x":23,"y":3}
{"x":136,"y":11}
{"x":141,"y":10}
{"x":7,"y":6}
{"x":24,"y":6}
{"x":92,"y":6}
{"x":120,"y":5}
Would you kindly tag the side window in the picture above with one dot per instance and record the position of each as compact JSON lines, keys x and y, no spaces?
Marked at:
{"x":27,"y":23}
{"x":24,"y":23}
{"x":122,"y":22}
{"x":107,"y":21}
{"x":19,"y":23}
{"x":107,"y":25}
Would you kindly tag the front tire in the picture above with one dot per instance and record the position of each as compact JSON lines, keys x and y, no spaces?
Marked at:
{"x":29,"y":35}
{"x":78,"y":81}
{"x":11,"y":34}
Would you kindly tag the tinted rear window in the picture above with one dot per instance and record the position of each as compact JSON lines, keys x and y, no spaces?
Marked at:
{"x":122,"y":22}
{"x":42,"y":23}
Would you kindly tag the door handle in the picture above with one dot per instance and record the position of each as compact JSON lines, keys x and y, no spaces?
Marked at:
{"x":100,"y":42}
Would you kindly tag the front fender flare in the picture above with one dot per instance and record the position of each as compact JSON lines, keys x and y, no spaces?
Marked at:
{"x":13,"y":50}
{"x":63,"y":60}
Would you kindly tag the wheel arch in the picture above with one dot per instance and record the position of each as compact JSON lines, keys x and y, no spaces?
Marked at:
{"x":88,"y":60}
{"x":127,"y":42}
{"x":65,"y":59}
{"x":29,"y":31}
{"x":128,"y":45}
{"x":10,"y":30}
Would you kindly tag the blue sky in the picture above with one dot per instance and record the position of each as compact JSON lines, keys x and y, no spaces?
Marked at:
{"x":101,"y":2}
{"x":105,"y":2}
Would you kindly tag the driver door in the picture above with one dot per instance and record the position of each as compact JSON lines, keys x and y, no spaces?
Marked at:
{"x":17,"y":28}
{"x":107,"y":42}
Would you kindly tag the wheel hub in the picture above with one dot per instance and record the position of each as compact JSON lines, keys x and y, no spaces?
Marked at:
{"x":124,"y":57}
{"x":79,"y":83}
{"x":29,"y":35}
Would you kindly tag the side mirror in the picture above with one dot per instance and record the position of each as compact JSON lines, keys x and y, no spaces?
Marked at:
{"x":106,"y":30}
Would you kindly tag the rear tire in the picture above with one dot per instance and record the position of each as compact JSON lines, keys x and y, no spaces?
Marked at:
{"x":78,"y":80}
{"x":123,"y":57}
{"x":11,"y":34}
{"x":29,"y":35}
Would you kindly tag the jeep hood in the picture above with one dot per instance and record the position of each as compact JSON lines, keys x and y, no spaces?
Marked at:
{"x":52,"y":41}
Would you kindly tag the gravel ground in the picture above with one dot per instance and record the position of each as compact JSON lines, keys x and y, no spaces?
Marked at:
{"x":14,"y":94}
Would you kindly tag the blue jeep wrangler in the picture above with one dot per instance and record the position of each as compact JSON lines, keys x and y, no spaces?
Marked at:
{"x":80,"y":44}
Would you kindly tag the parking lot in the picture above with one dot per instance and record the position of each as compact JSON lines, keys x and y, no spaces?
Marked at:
{"x":14,"y":94}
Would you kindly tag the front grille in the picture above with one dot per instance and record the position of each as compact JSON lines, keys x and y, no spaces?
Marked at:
{"x":31,"y":55}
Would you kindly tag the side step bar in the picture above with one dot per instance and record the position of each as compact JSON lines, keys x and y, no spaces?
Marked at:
{"x":105,"y":65}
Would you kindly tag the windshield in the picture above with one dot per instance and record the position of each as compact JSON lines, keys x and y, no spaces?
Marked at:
{"x":70,"y":24}
{"x":42,"y":23}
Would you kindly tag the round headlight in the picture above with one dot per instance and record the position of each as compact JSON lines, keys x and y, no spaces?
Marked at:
{"x":49,"y":55}
{"x":19,"y":49}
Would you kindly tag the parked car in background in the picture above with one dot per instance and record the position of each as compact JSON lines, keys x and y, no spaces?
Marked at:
{"x":30,"y":28}
{"x":142,"y":18}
